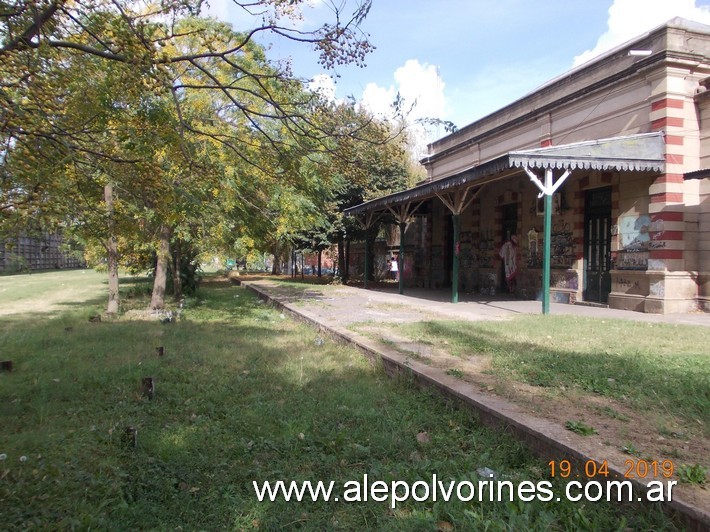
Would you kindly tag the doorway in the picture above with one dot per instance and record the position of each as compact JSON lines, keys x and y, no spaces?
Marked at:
{"x":597,"y":245}
{"x":509,"y":227}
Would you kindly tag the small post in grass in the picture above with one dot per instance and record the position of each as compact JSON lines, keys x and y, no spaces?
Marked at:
{"x":6,"y":365}
{"x":131,"y":436}
{"x":160,"y":350}
{"x":148,"y":387}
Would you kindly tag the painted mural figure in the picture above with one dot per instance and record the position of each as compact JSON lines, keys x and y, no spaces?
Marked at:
{"x":635,"y":232}
{"x":507,"y":253}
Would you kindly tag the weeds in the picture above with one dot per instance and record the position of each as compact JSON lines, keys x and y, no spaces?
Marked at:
{"x":630,"y":449}
{"x":580,"y":428}
{"x":695,"y":474}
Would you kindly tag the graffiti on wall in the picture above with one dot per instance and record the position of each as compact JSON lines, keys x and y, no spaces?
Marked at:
{"x":634,"y":232}
{"x":467,"y":259}
{"x":486,"y":240}
{"x":561,"y":246}
{"x":564,"y":280}
{"x":534,"y":258}
{"x":626,"y":284}
{"x":486,"y":249}
{"x":631,"y":260}
{"x":489,"y":281}
{"x":637,"y":235}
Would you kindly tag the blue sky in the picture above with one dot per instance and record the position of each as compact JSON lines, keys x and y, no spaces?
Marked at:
{"x":460,"y":60}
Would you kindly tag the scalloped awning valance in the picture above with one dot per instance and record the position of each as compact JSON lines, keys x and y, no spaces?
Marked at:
{"x":644,"y":152}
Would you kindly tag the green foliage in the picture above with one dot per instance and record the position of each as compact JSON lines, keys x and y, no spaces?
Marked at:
{"x":580,"y":427}
{"x":15,"y":263}
{"x":454,"y":372}
{"x":186,"y":119}
{"x":695,"y":474}
{"x":631,"y":449}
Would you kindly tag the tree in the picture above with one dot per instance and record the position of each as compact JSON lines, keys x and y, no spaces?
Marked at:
{"x":228,"y":107}
{"x":152,"y":38}
{"x":372,"y":163}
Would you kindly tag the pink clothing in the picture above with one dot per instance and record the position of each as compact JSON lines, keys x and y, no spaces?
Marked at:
{"x":507,"y":253}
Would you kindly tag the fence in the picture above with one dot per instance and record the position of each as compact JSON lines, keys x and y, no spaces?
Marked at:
{"x":29,"y":254}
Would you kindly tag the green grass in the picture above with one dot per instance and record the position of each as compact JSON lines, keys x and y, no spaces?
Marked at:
{"x":662,"y":368}
{"x":35,"y":292}
{"x":242,"y":394}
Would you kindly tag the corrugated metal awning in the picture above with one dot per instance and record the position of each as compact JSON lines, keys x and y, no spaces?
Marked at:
{"x":698,"y":174}
{"x":644,"y":152}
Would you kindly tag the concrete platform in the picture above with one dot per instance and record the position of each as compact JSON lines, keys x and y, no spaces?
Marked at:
{"x":331,"y":309}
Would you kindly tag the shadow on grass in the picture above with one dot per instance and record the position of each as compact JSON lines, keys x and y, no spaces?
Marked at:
{"x":241,"y":395}
{"x":679,"y":385}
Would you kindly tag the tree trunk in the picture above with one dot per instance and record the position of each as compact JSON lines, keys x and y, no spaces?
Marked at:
{"x":320,"y":257}
{"x":177,"y":277}
{"x":278,"y":258}
{"x":347,"y":260}
{"x":341,"y":258}
{"x":370,"y":249}
{"x":157,"y":301}
{"x":112,"y":249}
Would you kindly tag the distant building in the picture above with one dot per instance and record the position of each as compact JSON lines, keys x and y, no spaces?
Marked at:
{"x":631,"y":223}
{"x":29,"y":254}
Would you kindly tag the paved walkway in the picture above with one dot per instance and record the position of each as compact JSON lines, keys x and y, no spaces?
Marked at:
{"x":341,"y":305}
{"x":334,"y":308}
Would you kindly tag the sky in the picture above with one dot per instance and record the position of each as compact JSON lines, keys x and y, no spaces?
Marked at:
{"x":460,"y":60}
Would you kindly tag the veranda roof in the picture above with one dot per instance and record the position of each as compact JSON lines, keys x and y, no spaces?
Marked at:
{"x":640,"y":152}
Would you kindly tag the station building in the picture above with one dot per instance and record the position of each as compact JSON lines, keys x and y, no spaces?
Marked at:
{"x":624,"y":141}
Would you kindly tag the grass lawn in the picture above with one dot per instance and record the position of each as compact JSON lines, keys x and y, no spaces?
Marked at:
{"x":242,"y":394}
{"x":656,"y":368}
{"x":50,"y":291}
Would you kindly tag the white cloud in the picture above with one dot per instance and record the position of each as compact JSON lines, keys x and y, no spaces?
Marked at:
{"x":293,"y":16}
{"x":422,"y":92}
{"x":420,"y":87}
{"x":324,"y":85}
{"x":219,"y":9}
{"x":378,"y":99}
{"x":630,"y":18}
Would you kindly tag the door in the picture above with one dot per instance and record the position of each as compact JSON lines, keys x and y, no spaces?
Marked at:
{"x":597,"y":245}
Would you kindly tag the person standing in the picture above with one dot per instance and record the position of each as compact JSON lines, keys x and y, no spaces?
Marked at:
{"x":394,"y":268}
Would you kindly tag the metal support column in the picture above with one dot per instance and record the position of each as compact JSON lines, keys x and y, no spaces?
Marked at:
{"x":457,"y":247}
{"x":367,"y":257}
{"x":400,"y":258}
{"x":546,"y":255}
{"x":403,"y":214}
{"x":547,"y":190}
{"x":457,"y":202}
